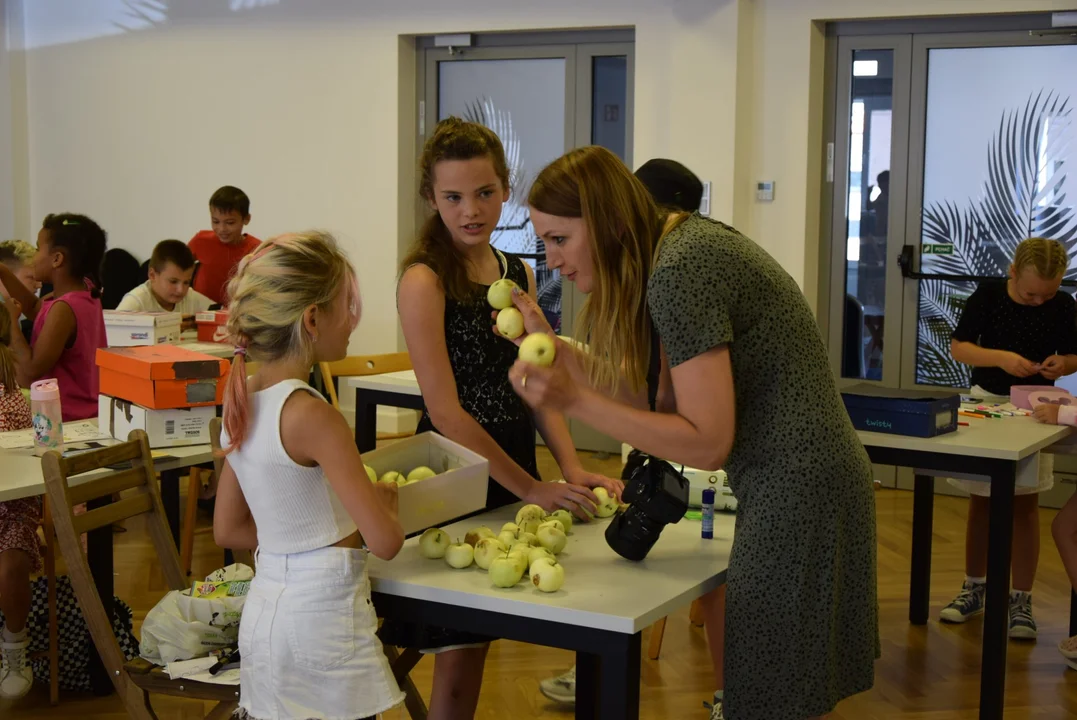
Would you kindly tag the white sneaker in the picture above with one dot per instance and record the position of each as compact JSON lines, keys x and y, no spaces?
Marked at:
{"x":15,"y":675}
{"x":716,"y":710}
{"x":562,"y":688}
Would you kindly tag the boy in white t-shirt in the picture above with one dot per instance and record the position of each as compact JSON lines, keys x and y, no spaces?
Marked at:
{"x":169,"y":286}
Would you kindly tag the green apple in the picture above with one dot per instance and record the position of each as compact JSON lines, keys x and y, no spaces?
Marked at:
{"x":420,"y":473}
{"x":552,"y":539}
{"x":508,"y":539}
{"x":548,"y":576}
{"x":475,"y":534}
{"x":459,"y":555}
{"x":505,"y":571}
{"x":565,"y":517}
{"x":488,"y":549}
{"x":607,"y":505}
{"x":539,"y":553}
{"x":510,"y":527}
{"x":552,"y":522}
{"x":500,"y":294}
{"x":510,"y":323}
{"x":394,"y":477}
{"x":527,"y":537}
{"x":371,"y":474}
{"x":538,"y":349}
{"x":530,"y":526}
{"x":529,"y":512}
{"x":433,"y":543}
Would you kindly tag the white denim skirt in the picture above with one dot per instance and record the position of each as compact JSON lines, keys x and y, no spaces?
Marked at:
{"x":307,"y":640}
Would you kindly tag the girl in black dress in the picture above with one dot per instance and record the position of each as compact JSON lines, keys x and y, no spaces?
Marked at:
{"x":462,"y":369}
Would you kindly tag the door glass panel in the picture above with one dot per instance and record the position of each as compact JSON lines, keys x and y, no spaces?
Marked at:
{"x":999,"y":164}
{"x":867,"y":214}
{"x":523,"y":101}
{"x":609,"y":97}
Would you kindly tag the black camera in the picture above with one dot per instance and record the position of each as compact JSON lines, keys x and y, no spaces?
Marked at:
{"x":657,"y":495}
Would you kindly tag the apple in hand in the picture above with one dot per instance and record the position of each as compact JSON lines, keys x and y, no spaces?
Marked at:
{"x":420,"y":473}
{"x":433,"y":543}
{"x":538,"y":349}
{"x":394,"y":477}
{"x":552,"y":539}
{"x":488,"y":549}
{"x":510,"y":323}
{"x":529,"y":512}
{"x":565,"y":517}
{"x":505,"y":571}
{"x":500,"y":294}
{"x":607,"y":505}
{"x":475,"y":534}
{"x":459,"y":555}
{"x":370,"y":473}
{"x":548,"y":576}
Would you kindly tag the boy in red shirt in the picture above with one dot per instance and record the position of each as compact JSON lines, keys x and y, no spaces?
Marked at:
{"x":219,"y":250}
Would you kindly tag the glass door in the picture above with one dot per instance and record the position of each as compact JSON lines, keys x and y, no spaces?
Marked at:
{"x":993,"y":160}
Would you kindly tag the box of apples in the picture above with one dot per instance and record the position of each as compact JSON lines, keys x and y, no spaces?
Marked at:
{"x":438,"y":480}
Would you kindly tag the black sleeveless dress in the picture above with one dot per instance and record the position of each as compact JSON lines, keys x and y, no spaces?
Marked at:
{"x":480,"y":364}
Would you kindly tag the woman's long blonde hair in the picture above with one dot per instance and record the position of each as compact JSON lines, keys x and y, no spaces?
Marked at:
{"x":623,"y":228}
{"x":7,"y":358}
{"x":1048,"y":257}
{"x":270,"y":293}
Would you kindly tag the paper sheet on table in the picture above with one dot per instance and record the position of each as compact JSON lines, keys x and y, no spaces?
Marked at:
{"x":75,"y":432}
{"x":198,"y":670}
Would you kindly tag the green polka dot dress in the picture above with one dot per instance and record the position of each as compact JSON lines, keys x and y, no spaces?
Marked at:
{"x":802,"y":622}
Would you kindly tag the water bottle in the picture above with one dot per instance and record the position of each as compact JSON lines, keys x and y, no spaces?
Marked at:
{"x":48,"y":421}
{"x":708,"y":513}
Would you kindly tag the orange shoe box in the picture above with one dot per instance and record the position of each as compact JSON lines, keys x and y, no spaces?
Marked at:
{"x":162,"y":377}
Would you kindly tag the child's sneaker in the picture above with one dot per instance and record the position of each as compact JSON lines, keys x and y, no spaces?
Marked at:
{"x":562,"y":688}
{"x":15,"y":675}
{"x":1022,"y":625}
{"x":969,"y":602}
{"x":715,"y":708}
{"x":1068,"y":648}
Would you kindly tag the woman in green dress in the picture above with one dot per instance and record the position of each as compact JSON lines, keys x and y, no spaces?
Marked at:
{"x":745,"y":385}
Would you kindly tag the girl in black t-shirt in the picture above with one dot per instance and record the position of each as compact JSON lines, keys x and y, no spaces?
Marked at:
{"x":1021,"y":331}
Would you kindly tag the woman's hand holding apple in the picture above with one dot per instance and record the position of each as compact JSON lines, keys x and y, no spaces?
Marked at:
{"x":534,"y":319}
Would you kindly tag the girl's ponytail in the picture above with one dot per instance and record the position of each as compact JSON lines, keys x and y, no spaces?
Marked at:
{"x":236,"y":412}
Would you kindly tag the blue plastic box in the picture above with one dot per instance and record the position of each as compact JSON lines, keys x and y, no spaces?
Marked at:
{"x":920,"y":413}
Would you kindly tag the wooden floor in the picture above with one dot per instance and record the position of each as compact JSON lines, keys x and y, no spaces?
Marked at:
{"x":926,"y":673}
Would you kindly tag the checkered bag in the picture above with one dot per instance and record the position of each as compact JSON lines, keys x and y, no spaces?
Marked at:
{"x":74,"y":634}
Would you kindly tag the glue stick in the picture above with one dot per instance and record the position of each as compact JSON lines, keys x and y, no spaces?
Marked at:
{"x":708,"y":513}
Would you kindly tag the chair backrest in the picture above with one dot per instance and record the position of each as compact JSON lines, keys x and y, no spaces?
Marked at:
{"x":143,"y":498}
{"x":357,"y":365}
{"x":120,"y":274}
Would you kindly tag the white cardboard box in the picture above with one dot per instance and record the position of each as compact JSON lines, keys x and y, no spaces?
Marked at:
{"x":165,"y":428}
{"x":129,"y":329}
{"x":458,"y":489}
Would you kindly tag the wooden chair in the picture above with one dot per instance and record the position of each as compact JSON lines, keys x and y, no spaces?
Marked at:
{"x":53,"y":652}
{"x":134,"y":681}
{"x":358,"y":365}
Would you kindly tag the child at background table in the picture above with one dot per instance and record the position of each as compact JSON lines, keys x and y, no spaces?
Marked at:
{"x":1019,"y":332}
{"x":293,"y":485}
{"x":69,"y":327}
{"x":18,"y":256}
{"x":20,"y":552}
{"x":221,"y":249}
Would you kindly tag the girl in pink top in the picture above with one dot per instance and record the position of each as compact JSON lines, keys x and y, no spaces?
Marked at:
{"x":70,"y":327}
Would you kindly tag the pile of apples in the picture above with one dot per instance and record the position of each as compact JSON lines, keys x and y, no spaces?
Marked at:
{"x":530,"y":545}
{"x":536,"y":348}
{"x":420,"y":473}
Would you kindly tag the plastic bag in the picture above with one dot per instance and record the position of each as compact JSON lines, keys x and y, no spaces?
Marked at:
{"x":181,"y":627}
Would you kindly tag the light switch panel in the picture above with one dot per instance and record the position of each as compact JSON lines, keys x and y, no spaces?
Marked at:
{"x":764,"y":191}
{"x":705,"y":201}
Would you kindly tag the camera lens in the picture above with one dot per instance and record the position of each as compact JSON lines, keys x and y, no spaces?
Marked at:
{"x":632,"y":534}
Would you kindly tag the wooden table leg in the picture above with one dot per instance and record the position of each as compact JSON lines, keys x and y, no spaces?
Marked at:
{"x":654,"y":647}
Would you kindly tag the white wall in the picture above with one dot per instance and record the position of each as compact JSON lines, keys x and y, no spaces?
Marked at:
{"x":308,"y":106}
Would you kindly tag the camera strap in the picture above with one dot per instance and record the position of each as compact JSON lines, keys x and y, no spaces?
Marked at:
{"x":654,"y":366}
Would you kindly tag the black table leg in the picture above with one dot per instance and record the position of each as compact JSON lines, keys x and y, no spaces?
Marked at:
{"x":996,"y":612}
{"x":619,"y":688}
{"x":588,"y":669}
{"x":923,"y":507}
{"x":1073,"y":613}
{"x":366,"y":421}
{"x":170,"y":499}
{"x":99,"y":558}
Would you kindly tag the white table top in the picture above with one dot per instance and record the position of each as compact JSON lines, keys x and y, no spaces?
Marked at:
{"x":217,"y":350}
{"x":1008,"y":438}
{"x":403,"y":382}
{"x":22,"y":469}
{"x":601,"y":590}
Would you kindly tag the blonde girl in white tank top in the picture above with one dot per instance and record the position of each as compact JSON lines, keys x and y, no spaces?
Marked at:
{"x":294,"y":487}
